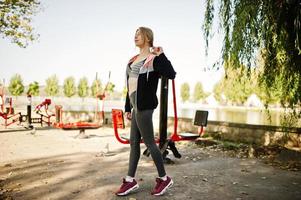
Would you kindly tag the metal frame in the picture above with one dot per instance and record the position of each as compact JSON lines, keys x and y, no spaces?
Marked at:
{"x":199,"y":120}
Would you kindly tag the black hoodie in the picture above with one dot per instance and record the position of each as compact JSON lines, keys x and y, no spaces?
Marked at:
{"x":154,"y":67}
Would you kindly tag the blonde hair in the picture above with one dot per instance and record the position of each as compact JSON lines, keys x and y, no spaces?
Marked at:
{"x":147,"y":34}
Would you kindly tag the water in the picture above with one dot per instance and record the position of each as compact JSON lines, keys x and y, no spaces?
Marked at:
{"x":244,"y":115}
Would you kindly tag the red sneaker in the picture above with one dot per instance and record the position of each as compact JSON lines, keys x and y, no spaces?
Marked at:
{"x":127,"y":187}
{"x":162,"y":186}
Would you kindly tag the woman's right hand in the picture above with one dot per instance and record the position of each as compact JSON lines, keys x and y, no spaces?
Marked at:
{"x":128,"y":115}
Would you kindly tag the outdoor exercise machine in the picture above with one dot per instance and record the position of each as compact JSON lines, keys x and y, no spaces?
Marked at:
{"x":83,"y":125}
{"x":10,"y":117}
{"x":8,"y":114}
{"x":164,"y":142}
{"x":80,"y":125}
{"x":42,"y":111}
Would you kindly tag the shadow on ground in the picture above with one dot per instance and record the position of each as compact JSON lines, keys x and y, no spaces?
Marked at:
{"x":197,"y":175}
{"x":67,"y":176}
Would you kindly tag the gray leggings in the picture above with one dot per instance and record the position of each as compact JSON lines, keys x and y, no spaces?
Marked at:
{"x":142,"y":126}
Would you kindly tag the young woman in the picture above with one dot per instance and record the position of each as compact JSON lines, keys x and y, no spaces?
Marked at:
{"x":143,"y":72}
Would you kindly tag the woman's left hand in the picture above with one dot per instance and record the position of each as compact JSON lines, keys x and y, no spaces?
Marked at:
{"x":157,"y":50}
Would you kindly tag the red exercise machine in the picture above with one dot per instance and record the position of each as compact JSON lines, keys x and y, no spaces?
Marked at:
{"x":8,"y":113}
{"x":165,"y":143}
{"x":82,"y":125}
{"x":41,"y":110}
{"x":10,"y":117}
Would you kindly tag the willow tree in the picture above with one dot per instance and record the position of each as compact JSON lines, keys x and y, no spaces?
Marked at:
{"x":16,"y":20}
{"x":269,"y":28}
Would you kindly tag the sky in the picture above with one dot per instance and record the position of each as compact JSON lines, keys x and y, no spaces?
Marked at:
{"x":79,"y":38}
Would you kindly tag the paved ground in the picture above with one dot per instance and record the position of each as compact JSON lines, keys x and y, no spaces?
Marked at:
{"x":53,"y":164}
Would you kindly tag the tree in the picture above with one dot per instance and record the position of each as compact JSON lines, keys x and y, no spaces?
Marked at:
{"x":15,"y":20}
{"x":16,"y":87}
{"x":185,"y":92}
{"x":273,"y":96}
{"x":218,"y":91}
{"x":69,"y":87}
{"x":83,"y":88}
{"x":34,"y":89}
{"x":238,"y":84}
{"x":96,"y":87}
{"x":52,"y":86}
{"x":199,"y":93}
{"x":110,"y":87}
{"x":238,"y":88}
{"x":271,"y":27}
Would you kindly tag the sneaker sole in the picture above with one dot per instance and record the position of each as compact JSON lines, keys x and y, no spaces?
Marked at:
{"x":164,"y":190}
{"x":129,"y":190}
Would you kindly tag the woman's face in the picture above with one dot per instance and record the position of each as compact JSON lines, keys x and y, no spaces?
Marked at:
{"x":139,"y":39}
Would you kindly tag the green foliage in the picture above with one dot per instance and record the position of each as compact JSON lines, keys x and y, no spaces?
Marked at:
{"x":15,"y":20}
{"x":208,"y":21}
{"x":199,"y":92}
{"x":271,"y":95}
{"x":96,"y":87}
{"x":185,"y":92}
{"x":228,"y":145}
{"x":218,"y":91}
{"x":16,"y":87}
{"x":52,"y":86}
{"x":110,"y":87}
{"x":271,"y":27}
{"x":69,"y":87}
{"x":83,"y":88}
{"x":237,"y":85}
{"x":34,"y":89}
{"x":290,"y":118}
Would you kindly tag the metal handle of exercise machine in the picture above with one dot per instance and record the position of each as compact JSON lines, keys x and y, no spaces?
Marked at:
{"x":116,"y":125}
{"x":174,"y":137}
